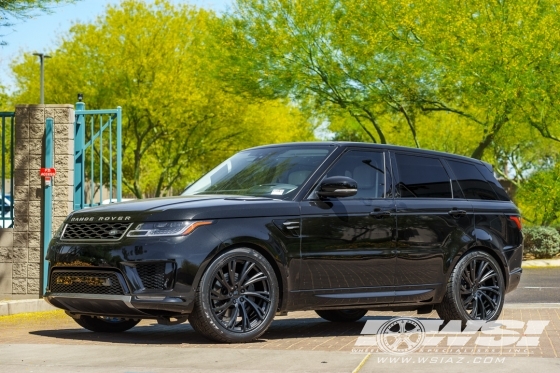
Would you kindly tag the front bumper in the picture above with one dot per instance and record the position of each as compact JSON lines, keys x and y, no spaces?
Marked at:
{"x":130,"y":306}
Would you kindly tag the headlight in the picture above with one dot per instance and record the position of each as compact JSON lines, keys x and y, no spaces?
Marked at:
{"x":58,"y":232}
{"x":166,"y":228}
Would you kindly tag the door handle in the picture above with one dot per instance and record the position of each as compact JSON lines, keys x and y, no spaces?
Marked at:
{"x":381,"y":214}
{"x":457,"y":213}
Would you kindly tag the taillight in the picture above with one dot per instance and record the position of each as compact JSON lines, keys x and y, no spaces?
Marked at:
{"x":516,"y":220}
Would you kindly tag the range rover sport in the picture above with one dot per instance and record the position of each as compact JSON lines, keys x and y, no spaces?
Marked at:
{"x":339,"y":228}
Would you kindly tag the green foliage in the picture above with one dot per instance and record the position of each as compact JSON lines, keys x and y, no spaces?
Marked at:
{"x":539,"y":197}
{"x":541,"y":242}
{"x":157,"y":60}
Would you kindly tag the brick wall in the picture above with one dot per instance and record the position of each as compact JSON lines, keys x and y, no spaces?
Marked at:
{"x":21,"y":254}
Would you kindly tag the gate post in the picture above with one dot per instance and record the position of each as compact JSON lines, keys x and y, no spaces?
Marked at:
{"x":79,"y":141}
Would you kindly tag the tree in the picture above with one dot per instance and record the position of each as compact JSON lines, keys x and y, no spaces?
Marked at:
{"x":539,"y":197}
{"x":387,"y":64}
{"x":22,"y":9}
{"x":156,"y":61}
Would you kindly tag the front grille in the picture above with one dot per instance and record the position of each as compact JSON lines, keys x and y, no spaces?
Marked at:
{"x":152,"y":275}
{"x":85,"y":282}
{"x":95,"y":231}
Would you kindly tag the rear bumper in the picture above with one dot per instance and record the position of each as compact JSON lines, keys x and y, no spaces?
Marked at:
{"x":131,"y":306}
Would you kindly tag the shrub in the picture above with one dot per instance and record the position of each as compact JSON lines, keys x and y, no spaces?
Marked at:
{"x":541,"y":242}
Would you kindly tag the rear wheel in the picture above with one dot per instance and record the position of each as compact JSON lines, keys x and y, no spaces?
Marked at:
{"x":342,"y":315}
{"x":475,"y":290}
{"x":102,"y":324}
{"x":237,"y":298}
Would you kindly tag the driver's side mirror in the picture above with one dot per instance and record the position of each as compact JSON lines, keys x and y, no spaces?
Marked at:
{"x":337,"y":186}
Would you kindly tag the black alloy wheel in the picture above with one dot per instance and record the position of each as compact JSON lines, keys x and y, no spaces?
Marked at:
{"x":237,"y":299}
{"x":101,"y":324}
{"x":347,"y":315}
{"x":475,"y":290}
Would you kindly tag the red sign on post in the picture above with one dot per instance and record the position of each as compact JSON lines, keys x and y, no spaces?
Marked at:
{"x":48,"y":172}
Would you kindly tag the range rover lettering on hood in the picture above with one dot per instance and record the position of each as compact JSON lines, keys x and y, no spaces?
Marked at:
{"x":100,"y":218}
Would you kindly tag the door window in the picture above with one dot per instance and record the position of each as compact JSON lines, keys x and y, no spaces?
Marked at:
{"x":422,"y":177}
{"x":368,"y":169}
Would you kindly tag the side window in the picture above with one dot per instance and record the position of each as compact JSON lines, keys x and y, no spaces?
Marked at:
{"x":495,"y":184}
{"x":367,"y":168}
{"x":472,"y":182}
{"x":422,"y":177}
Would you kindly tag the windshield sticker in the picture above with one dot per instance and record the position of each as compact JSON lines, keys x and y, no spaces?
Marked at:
{"x":277,"y":192}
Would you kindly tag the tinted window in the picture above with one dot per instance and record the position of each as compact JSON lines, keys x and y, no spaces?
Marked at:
{"x":495,"y":184}
{"x":473,"y":184}
{"x":422,"y":177}
{"x":367,"y":168}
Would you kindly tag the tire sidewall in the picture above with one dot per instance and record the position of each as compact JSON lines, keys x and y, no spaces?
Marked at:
{"x":457,"y":283}
{"x":206,"y":283}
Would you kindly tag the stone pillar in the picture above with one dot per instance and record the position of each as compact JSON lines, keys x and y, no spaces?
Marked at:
{"x":27,"y":255}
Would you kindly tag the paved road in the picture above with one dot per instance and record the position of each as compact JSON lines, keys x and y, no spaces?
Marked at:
{"x":538,"y":285}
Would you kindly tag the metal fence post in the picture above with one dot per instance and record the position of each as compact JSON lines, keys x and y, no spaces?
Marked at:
{"x":48,"y":195}
{"x":119,"y":154}
{"x":79,"y":156}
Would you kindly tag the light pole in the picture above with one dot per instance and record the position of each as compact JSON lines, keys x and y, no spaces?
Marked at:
{"x":42,"y":57}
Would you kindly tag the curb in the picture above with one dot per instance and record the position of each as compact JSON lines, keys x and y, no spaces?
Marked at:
{"x":541,"y":263}
{"x":13,"y":307}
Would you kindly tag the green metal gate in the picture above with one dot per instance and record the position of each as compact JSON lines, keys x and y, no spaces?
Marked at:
{"x":97,"y":156}
{"x":7,"y":120}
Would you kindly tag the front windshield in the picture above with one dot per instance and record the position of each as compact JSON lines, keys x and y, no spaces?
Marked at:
{"x":275,"y":172}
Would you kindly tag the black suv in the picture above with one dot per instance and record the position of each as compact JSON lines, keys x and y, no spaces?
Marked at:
{"x":340,"y":228}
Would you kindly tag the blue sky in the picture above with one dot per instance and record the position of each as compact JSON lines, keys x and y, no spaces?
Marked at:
{"x":40,"y":34}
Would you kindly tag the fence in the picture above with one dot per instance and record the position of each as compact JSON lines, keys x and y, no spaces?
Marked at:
{"x":7,"y":170}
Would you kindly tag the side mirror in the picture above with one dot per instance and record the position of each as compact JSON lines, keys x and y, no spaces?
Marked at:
{"x":337,"y":186}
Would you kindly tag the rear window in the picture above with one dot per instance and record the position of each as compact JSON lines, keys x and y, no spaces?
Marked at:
{"x":472,"y":182}
{"x":422,"y":177}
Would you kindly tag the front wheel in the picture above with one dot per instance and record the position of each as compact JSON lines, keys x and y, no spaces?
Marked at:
{"x":475,"y":290}
{"x":101,"y":324}
{"x":342,"y":315}
{"x":237,"y":298}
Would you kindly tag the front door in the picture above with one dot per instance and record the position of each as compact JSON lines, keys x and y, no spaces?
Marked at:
{"x":347,"y":246}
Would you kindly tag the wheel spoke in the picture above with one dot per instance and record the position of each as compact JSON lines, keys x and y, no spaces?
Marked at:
{"x":488,"y":275}
{"x":475,"y":308}
{"x":223,"y":306}
{"x":222,"y":279}
{"x":494,"y":289}
{"x":216,"y":295}
{"x":467,"y":301}
{"x":261,"y":294}
{"x":466,"y":277}
{"x":258,"y":310}
{"x":245,"y":271}
{"x":231,"y":271}
{"x":233,"y":319}
{"x":481,"y":271}
{"x":492,"y":302}
{"x":256,"y":278}
{"x":483,"y":314}
{"x":245,"y":324}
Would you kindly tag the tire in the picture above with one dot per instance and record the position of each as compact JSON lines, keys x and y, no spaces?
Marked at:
{"x":236,"y":311}
{"x":475,"y":290}
{"x":350,"y":315}
{"x":106,"y":324}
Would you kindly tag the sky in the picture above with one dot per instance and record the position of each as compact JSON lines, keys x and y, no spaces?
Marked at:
{"x":39,"y":34}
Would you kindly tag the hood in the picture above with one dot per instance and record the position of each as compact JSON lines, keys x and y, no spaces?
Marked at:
{"x":198,"y":207}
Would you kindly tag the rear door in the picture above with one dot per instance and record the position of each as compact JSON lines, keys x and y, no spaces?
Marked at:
{"x":434,"y":222}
